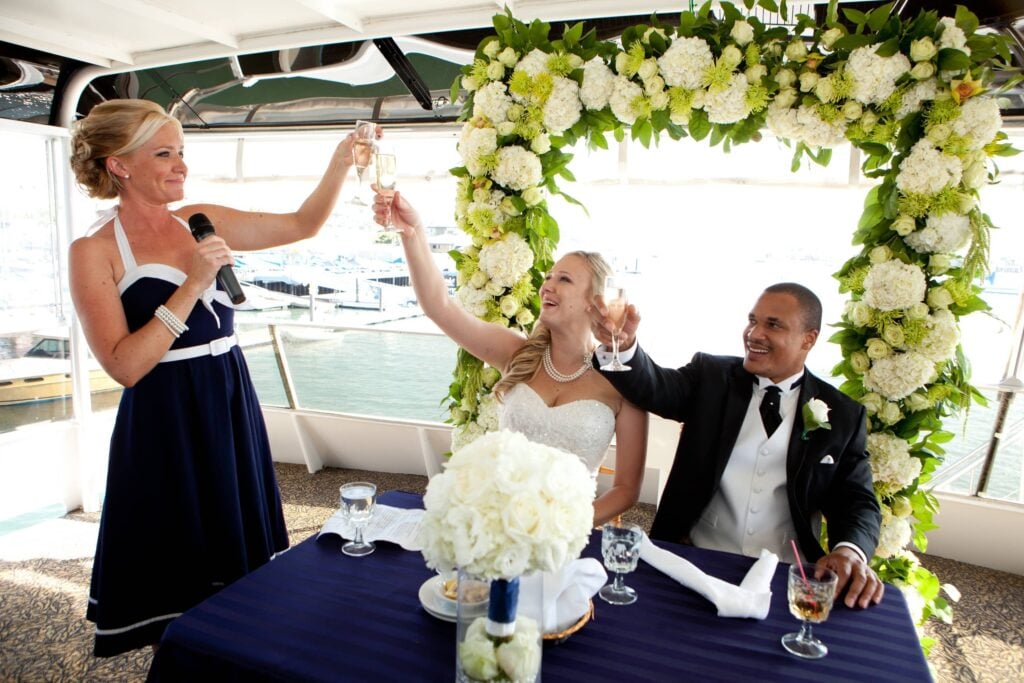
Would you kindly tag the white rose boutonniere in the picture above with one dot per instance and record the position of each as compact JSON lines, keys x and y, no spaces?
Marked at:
{"x":815,"y":414}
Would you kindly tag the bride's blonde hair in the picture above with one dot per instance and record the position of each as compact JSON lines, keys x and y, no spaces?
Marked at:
{"x":524,"y":363}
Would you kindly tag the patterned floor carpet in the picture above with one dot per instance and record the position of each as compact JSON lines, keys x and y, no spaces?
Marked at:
{"x":44,"y":579}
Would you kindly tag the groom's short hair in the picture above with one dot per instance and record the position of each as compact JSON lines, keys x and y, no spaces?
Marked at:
{"x":808,"y":301}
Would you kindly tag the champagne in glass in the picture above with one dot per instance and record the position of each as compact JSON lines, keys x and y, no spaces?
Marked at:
{"x":357,"y":500}
{"x":362,"y":152}
{"x":620,"y":547}
{"x":615,"y":301}
{"x":387,"y":177}
{"x":810,"y":601}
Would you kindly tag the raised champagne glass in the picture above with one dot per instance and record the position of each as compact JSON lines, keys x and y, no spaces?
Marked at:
{"x":385,"y":163}
{"x":362,"y":154}
{"x":615,"y":301}
{"x":357,"y":500}
{"x":810,"y":601}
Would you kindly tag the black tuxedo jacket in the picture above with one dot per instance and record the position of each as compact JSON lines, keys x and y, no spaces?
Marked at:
{"x":710,"y":396}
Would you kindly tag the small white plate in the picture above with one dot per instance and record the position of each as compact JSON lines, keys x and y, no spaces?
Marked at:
{"x":433,"y":603}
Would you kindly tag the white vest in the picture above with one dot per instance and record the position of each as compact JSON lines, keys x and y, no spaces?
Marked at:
{"x":750,"y":509}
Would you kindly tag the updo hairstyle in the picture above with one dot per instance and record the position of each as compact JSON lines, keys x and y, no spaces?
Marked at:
{"x":111,"y":129}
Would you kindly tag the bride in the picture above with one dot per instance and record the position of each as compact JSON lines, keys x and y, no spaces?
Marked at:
{"x":549,"y":391}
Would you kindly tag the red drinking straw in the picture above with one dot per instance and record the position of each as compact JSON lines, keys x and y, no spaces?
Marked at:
{"x":796,"y":555}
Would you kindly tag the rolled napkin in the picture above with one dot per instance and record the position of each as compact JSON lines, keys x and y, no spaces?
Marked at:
{"x":567,"y":593}
{"x":749,"y":600}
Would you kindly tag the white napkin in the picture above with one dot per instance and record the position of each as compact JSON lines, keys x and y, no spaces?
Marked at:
{"x":567,"y":593}
{"x":398,"y":525}
{"x":751,"y":599}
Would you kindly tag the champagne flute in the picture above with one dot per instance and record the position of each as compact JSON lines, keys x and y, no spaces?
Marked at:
{"x":810,"y":601}
{"x":615,"y":301}
{"x":357,"y":500}
{"x":387,"y":177}
{"x":620,"y":547}
{"x":362,"y":151}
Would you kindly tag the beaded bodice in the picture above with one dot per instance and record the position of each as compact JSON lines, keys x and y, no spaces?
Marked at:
{"x":584,"y":427}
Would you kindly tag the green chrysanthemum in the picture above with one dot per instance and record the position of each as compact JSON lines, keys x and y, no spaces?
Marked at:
{"x":520,"y":84}
{"x":478,"y":71}
{"x":560,"y":64}
{"x":680,"y":100}
{"x":941,"y":111}
{"x":524,"y":290}
{"x":939,"y":392}
{"x":884,"y":132}
{"x":484,"y":221}
{"x":957,"y":145}
{"x":914,"y":331}
{"x":756,"y":97}
{"x":717,"y":78}
{"x":854,"y":280}
{"x":634,"y":58}
{"x":947,"y":200}
{"x":752,"y":55}
{"x":829,"y":113}
{"x":959,"y":290}
{"x":915,"y":204}
{"x":641,"y":106}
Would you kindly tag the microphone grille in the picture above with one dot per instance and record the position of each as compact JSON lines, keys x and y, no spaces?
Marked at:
{"x":200,"y":226}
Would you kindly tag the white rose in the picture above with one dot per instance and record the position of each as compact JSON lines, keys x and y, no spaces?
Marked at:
{"x":918,"y":311}
{"x":872,"y":402}
{"x":785,"y":98}
{"x":852,"y":110}
{"x":648,"y":69}
{"x":785,"y":77}
{"x":508,"y":57}
{"x":889,"y":413}
{"x":922,"y":71}
{"x":819,"y":410}
{"x":939,"y":263}
{"x":495,"y":71}
{"x":922,"y":50}
{"x":755,"y":73}
{"x":796,"y":51}
{"x":877,"y":349}
{"x":829,"y":37}
{"x":860,"y":313}
{"x":860,"y":362}
{"x":492,"y":48}
{"x":742,"y":33}
{"x":505,"y":128}
{"x":541,"y":144}
{"x":731,"y":55}
{"x":533,"y":196}
{"x":808,"y":80}
{"x":904,"y":225}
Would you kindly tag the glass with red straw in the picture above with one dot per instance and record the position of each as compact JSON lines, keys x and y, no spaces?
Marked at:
{"x":810,"y":600}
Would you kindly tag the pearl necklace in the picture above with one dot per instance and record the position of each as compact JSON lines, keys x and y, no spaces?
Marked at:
{"x":554,"y":374}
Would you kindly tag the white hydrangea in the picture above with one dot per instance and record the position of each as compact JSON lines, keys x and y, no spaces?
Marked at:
{"x":894,"y":535}
{"x":598,"y":83}
{"x":893,"y":285}
{"x":943,"y":234}
{"x":475,"y":145}
{"x":473,"y":299}
{"x":535,"y":63}
{"x":922,"y":91}
{"x":979,"y":121}
{"x":729,"y":104}
{"x":624,"y":92}
{"x":506,"y":260}
{"x":893,"y":468}
{"x":465,"y":434}
{"x":803,"y":124}
{"x":874,"y":78}
{"x":492,"y":102}
{"x":943,"y":335}
{"x":926,"y":170}
{"x":685,"y":62}
{"x":953,"y":36}
{"x":562,"y":110}
{"x":517,"y":168}
{"x":898,"y":375}
{"x":487,"y":418}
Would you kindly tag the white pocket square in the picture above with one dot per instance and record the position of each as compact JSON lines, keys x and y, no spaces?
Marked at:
{"x":827,"y":460}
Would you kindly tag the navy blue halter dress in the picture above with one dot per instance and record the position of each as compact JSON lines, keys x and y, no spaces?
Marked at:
{"x":191,"y":499}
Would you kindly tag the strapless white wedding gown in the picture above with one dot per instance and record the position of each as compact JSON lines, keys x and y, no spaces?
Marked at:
{"x":584,"y":427}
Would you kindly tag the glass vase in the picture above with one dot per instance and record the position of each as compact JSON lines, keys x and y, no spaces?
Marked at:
{"x":498,"y":632}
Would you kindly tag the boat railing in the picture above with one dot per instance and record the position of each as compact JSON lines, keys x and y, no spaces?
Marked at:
{"x":964,"y":475}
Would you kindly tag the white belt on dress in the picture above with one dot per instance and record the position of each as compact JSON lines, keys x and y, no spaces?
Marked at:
{"x":214,"y":348}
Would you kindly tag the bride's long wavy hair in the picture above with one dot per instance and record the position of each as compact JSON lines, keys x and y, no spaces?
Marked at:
{"x":524,"y":363}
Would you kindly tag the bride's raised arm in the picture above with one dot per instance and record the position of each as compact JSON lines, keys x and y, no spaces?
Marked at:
{"x":489,"y":342}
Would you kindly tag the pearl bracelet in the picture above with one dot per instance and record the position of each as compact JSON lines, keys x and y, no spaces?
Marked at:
{"x":172,"y":322}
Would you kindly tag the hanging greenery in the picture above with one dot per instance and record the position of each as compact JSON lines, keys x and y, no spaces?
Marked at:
{"x":915,"y":96}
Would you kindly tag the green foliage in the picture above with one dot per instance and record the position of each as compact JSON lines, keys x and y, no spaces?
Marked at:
{"x":799,"y":81}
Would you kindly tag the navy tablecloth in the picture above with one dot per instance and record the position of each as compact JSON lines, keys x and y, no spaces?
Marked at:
{"x":314,"y":614}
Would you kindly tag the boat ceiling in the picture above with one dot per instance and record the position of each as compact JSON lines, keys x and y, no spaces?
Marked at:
{"x":285,"y":62}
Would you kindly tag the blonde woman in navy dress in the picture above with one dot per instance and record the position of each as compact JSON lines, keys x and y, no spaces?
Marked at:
{"x":191,"y":500}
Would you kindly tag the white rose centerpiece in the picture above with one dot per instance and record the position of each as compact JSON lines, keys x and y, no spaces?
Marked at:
{"x":503,"y":507}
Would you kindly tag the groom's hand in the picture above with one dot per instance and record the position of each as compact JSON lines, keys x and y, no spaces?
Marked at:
{"x":862,"y":585}
{"x":602,"y":326}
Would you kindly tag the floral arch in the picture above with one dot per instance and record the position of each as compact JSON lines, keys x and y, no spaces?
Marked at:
{"x":914,"y":96}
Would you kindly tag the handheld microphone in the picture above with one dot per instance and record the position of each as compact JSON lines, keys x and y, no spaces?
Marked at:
{"x":202,"y":228}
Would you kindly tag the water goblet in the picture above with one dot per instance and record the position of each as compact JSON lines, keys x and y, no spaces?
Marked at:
{"x":810,"y":601}
{"x":615,"y":301}
{"x":620,"y":546}
{"x":362,"y":153}
{"x":385,"y":163}
{"x":357,"y":500}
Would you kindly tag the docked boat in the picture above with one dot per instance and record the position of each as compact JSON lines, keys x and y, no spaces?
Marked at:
{"x":44,"y":373}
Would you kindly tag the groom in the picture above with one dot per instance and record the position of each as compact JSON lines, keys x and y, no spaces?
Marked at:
{"x":749,"y":471}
